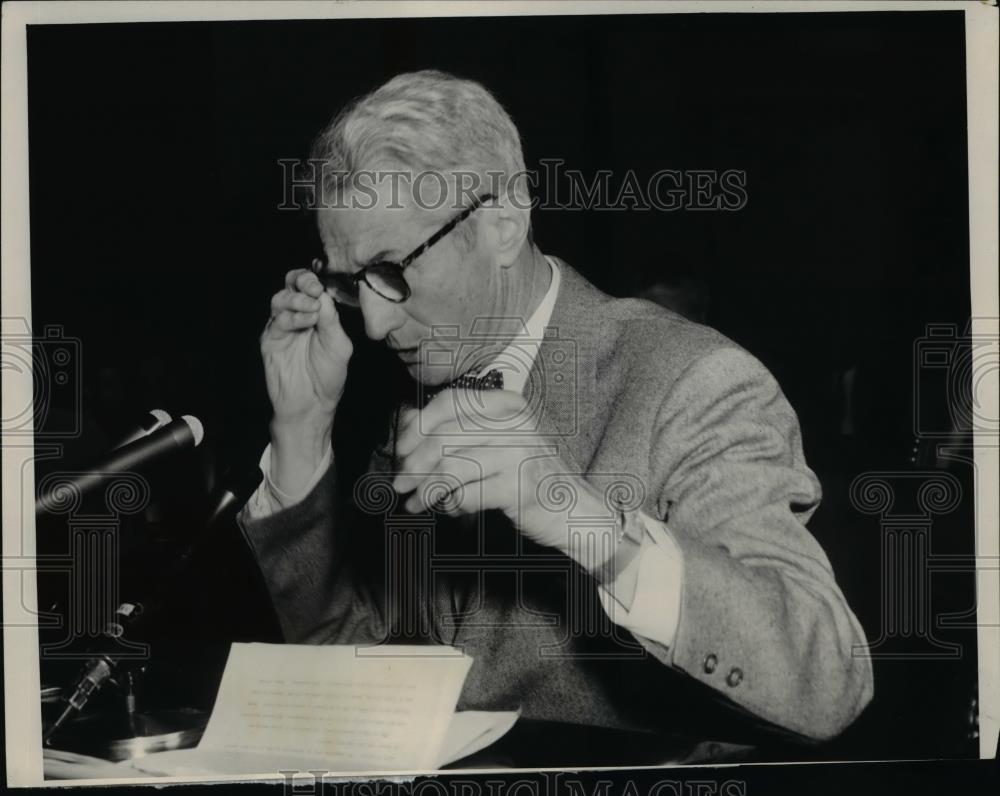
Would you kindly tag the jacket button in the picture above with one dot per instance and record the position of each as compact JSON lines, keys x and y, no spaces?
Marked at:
{"x":735,"y":677}
{"x":710,"y":663}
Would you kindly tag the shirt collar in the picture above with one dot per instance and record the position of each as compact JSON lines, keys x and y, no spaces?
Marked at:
{"x":516,"y":360}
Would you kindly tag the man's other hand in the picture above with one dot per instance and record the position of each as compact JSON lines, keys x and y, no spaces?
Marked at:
{"x":476,"y":442}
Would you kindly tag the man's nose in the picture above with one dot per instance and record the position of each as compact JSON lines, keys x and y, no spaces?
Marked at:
{"x":381,"y":315}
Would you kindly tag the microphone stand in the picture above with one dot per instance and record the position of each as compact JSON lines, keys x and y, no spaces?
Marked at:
{"x":104,"y":667}
{"x":98,"y":671}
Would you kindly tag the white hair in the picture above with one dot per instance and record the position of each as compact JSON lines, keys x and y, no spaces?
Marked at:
{"x":426,"y":121}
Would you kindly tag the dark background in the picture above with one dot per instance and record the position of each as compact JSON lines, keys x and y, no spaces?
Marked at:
{"x":156,"y":241}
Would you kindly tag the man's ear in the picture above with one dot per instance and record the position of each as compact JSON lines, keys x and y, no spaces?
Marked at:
{"x":508,"y":229}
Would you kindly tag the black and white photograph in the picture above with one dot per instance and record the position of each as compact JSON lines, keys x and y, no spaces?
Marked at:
{"x":393,"y":389}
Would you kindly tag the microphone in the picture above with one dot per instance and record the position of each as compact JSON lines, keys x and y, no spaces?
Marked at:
{"x":155,"y":419}
{"x":102,"y":667}
{"x":95,"y":674}
{"x":181,"y":434}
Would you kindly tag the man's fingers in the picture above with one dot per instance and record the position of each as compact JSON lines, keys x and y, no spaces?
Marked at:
{"x":294,"y":321}
{"x":407,"y":416}
{"x":484,"y":409}
{"x":465,"y":464}
{"x":329,"y":318}
{"x":490,"y":493}
{"x":468,"y":497}
{"x":302,"y":280}
{"x":441,"y":409}
{"x":449,"y":442}
{"x":307,"y":282}
{"x":292,"y":311}
{"x":432,"y":488}
{"x":292,"y":276}
{"x":288,"y":300}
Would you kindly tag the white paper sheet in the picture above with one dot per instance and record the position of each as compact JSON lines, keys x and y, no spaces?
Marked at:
{"x":468,"y":732}
{"x":348,"y":706}
{"x":283,"y":707}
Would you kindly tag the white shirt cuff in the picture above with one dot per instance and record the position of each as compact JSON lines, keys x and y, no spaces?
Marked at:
{"x":654,"y":611}
{"x":268,"y":499}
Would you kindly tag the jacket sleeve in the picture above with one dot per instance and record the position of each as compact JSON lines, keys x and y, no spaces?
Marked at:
{"x":762,"y":619}
{"x":308,"y":565}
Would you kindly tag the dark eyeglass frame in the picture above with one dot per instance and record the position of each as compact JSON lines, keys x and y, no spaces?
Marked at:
{"x":388,"y":274}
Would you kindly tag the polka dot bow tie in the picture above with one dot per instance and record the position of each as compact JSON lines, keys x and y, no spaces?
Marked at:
{"x":491,"y":380}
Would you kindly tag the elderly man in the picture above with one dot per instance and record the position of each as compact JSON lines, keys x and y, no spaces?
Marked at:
{"x":601,"y":502}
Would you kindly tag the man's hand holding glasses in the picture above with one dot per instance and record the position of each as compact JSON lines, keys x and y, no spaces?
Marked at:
{"x":305,"y":352}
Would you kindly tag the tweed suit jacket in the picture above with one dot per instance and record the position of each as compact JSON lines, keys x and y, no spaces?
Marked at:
{"x":700,"y":437}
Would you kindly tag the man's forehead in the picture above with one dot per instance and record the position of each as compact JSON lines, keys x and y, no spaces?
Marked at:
{"x":360,"y":233}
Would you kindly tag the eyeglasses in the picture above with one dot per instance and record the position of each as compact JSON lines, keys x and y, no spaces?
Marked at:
{"x":386,"y":277}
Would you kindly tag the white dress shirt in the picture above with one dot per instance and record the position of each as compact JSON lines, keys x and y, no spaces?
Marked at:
{"x":644,"y":596}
